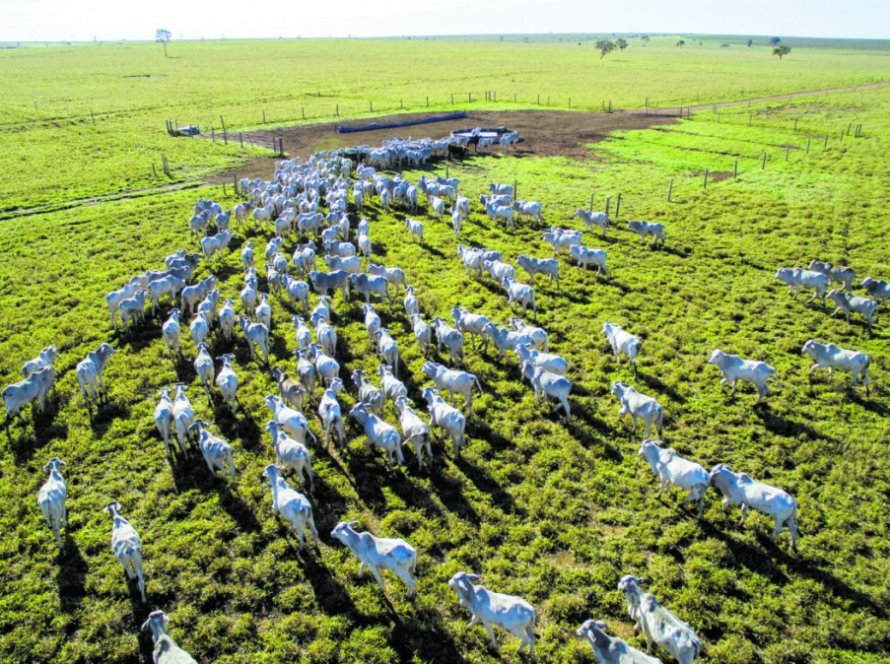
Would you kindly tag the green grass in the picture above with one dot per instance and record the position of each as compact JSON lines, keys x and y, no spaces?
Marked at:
{"x":87,"y":120}
{"x":553,"y":512}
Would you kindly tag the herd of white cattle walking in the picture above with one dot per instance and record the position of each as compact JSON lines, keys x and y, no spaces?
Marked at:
{"x":290,"y":203}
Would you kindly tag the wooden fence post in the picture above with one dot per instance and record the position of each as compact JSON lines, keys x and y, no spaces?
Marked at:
{"x":539,"y":99}
{"x":608,"y":204}
{"x":225,"y":136}
{"x":154,"y":171}
{"x":165,"y":165}
{"x":213,"y":134}
{"x":570,"y":102}
{"x":763,"y":161}
{"x":787,"y":149}
{"x":241,"y":139}
{"x":235,"y":185}
{"x":610,"y":106}
{"x":618,"y":205}
{"x":264,"y":116}
{"x":469,"y":97}
{"x":401,"y":104}
{"x":808,"y":145}
{"x":591,"y":201}
{"x":427,"y":101}
{"x":515,"y":189}
{"x":705,"y":183}
{"x":93,"y":115}
{"x":849,"y":127}
{"x":452,"y":99}
{"x":222,"y":121}
{"x":750,"y":117}
{"x":370,"y":106}
{"x":670,"y":188}
{"x":337,"y":110}
{"x":735,"y":169}
{"x":225,"y":193}
{"x":302,"y":112}
{"x":825,"y":144}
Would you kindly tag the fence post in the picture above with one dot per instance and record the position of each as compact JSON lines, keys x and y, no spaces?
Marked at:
{"x":222,"y":121}
{"x":225,"y":136}
{"x":235,"y":185}
{"x":618,"y":205}
{"x":469,"y":97}
{"x":337,"y":109}
{"x":763,"y":161}
{"x":570,"y":102}
{"x":302,"y":112}
{"x":849,"y":127}
{"x":241,"y":139}
{"x":787,"y":148}
{"x":213,"y":134}
{"x":750,"y":117}
{"x":591,"y":201}
{"x":225,"y":193}
{"x":264,"y":116}
{"x":825,"y":144}
{"x":539,"y":99}
{"x":670,"y":188}
{"x":735,"y":169}
{"x":427,"y":100}
{"x":705,"y":184}
{"x":808,"y":145}
{"x":165,"y":165}
{"x":93,"y":115}
{"x":452,"y":99}
{"x":401,"y":104}
{"x":515,"y":189}
{"x":154,"y":171}
{"x":608,"y":204}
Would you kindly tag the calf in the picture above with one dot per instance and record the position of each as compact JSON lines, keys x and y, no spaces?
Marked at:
{"x":796,"y":278}
{"x":379,"y":433}
{"x":292,"y":505}
{"x":18,"y":395}
{"x":591,"y":218}
{"x":46,"y":358}
{"x":290,"y":452}
{"x":645,"y":228}
{"x":585,"y":256}
{"x":535,"y":266}
{"x":838,"y":273}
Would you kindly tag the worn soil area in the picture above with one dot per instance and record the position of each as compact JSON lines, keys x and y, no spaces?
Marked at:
{"x":544,"y":133}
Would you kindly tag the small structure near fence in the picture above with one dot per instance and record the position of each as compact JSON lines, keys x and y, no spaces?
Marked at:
{"x":187,"y":130}
{"x":371,"y":126}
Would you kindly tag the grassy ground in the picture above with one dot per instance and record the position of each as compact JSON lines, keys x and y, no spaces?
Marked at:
{"x":551,"y":511}
{"x":88,"y":120}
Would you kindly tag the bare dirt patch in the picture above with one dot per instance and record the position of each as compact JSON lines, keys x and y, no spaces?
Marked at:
{"x":544,"y":133}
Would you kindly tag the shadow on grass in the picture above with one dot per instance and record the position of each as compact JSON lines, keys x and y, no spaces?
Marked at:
{"x":783,"y":426}
{"x":104,"y":415}
{"x":659,"y":386}
{"x":330,"y":594}
{"x":485,"y":483}
{"x":23,"y":444}
{"x":451,"y":495}
{"x":71,"y":580}
{"x":194,"y":474}
{"x":424,"y":637}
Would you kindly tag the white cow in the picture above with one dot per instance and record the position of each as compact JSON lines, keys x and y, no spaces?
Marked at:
{"x":842,"y":275}
{"x":46,"y":358}
{"x":216,"y":451}
{"x":126,"y":545}
{"x":450,"y":338}
{"x":877,"y":288}
{"x":388,"y":349}
{"x":739,"y":489}
{"x":551,"y":362}
{"x":414,"y":429}
{"x":379,"y":433}
{"x":18,"y":395}
{"x":290,"y":452}
{"x":291,"y":421}
{"x":796,"y":278}
{"x":257,"y":335}
{"x":204,"y":367}
{"x":454,"y":381}
{"x":638,"y":406}
{"x":644,"y":228}
{"x":521,"y":293}
{"x":163,"y":417}
{"x":591,"y":218}
{"x":853,"y":303}
{"x":331,"y":414}
{"x":623,"y":343}
{"x":586,"y":256}
{"x":422,"y":332}
{"x":446,"y":417}
{"x":834,"y":357}
{"x":166,"y":650}
{"x":415,"y":228}
{"x":227,"y":382}
{"x":227,"y":319}
{"x":671,"y":468}
{"x":51,"y":498}
{"x":170,"y":329}
{"x":183,"y":417}
{"x":734,"y":369}
{"x":91,"y":372}
{"x":291,"y":504}
{"x":610,"y":649}
{"x":377,"y":553}
{"x":511,"y":613}
{"x":658,"y":624}
{"x":535,"y":266}
{"x":547,"y":385}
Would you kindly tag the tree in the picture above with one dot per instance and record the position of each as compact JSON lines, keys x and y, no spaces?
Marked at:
{"x":774,"y":41}
{"x":621,"y":44}
{"x":782,"y":51}
{"x":644,"y":39}
{"x":750,"y":41}
{"x":605,"y":47}
{"x":163,"y":36}
{"x":681,"y":43}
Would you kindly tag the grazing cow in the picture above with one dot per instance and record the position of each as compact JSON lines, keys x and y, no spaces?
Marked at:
{"x":878,"y":289}
{"x":291,"y":504}
{"x":298,"y":291}
{"x":504,"y":212}
{"x":290,"y":452}
{"x":671,"y":468}
{"x":324,"y":283}
{"x":521,"y":293}
{"x":423,"y":333}
{"x":247,"y":258}
{"x":366,"y":284}
{"x":216,"y":451}
{"x":18,"y":395}
{"x":302,"y":331}
{"x":204,"y":367}
{"x":414,"y":429}
{"x":469,"y":323}
{"x":657,"y":623}
{"x":183,"y":417}
{"x":394,"y":275}
{"x":734,"y":369}
{"x":263,"y":311}
{"x":331,"y":415}
{"x":292,"y":422}
{"x":834,"y":357}
{"x":257,"y":335}
{"x":454,"y":381}
{"x":471,"y":258}
{"x":379,"y":433}
{"x":325,"y":365}
{"x":91,"y":372}
{"x":227,"y":382}
{"x":368,"y":393}
{"x":547,"y":385}
{"x":511,"y":613}
{"x":586,"y":256}
{"x":560,"y":238}
{"x":535,"y":266}
{"x":163,"y":417}
{"x":377,"y":553}
{"x":591,"y":218}
{"x":446,"y":417}
{"x":551,"y":362}
{"x":415,"y":228}
{"x":133,"y":308}
{"x":291,"y":391}
{"x":192,"y":295}
{"x":644,"y":228}
{"x":499,"y":271}
{"x":126,"y":545}
{"x":638,"y":406}
{"x":505,"y":339}
{"x":46,"y":358}
{"x":610,"y":649}
{"x":451,"y":338}
{"x":531,"y":209}
{"x":853,"y":303}
{"x":51,"y":498}
{"x":115,"y":297}
{"x":166,"y":650}
{"x":739,"y":489}
{"x":623,"y":343}
{"x":838,"y":273}
{"x":796,"y":278}
{"x":540,"y":338}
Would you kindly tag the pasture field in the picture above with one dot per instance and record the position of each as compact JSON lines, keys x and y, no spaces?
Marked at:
{"x":555,"y":512}
{"x":88,"y":120}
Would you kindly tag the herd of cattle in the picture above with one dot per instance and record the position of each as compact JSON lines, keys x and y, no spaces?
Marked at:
{"x":290,"y":205}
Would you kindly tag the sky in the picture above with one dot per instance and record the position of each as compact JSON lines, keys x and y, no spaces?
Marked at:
{"x":106,"y":20}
